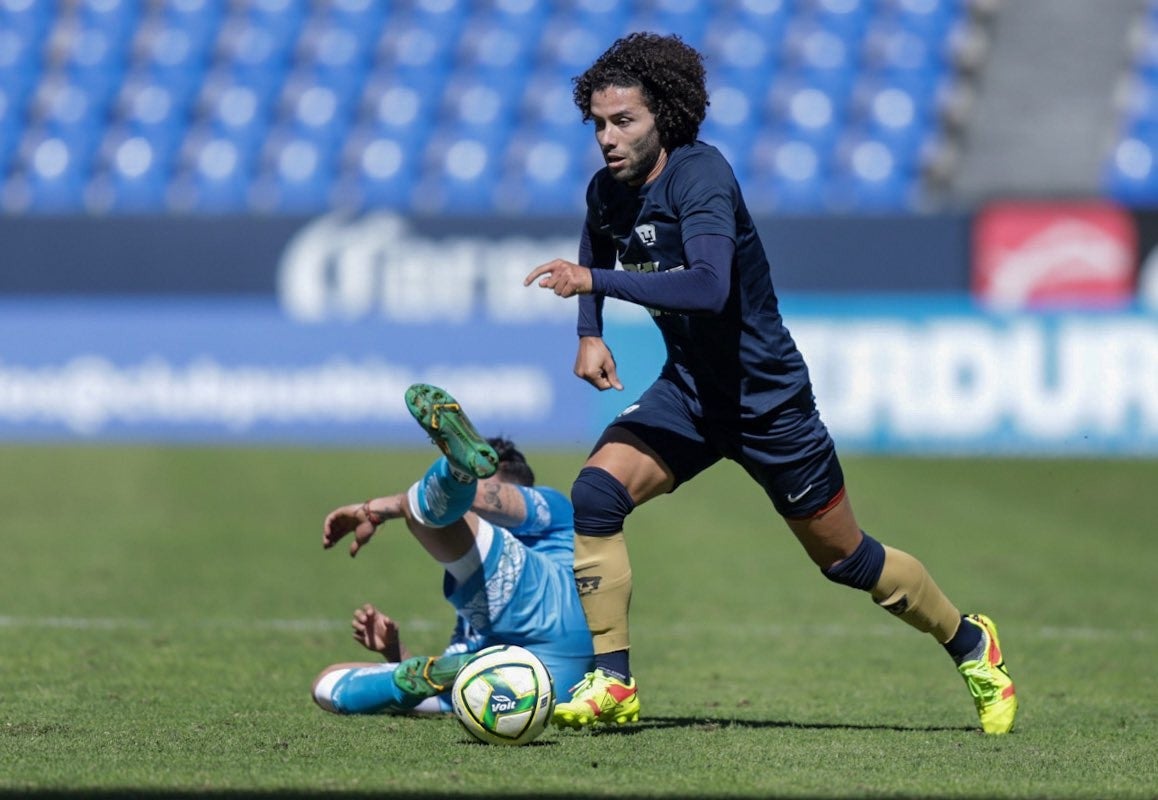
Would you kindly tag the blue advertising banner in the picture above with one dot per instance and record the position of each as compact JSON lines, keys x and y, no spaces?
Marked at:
{"x":241,"y":371}
{"x":939,"y":375}
{"x":892,"y":374}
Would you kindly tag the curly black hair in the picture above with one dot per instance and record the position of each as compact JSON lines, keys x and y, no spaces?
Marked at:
{"x":513,"y":466}
{"x":670,"y":74}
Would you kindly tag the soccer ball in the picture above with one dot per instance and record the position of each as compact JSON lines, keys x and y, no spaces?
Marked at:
{"x":504,"y":695}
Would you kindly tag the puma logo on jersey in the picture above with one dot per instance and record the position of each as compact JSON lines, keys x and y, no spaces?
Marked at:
{"x":646,"y":234}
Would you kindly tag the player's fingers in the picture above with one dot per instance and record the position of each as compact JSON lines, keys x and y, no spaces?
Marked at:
{"x":612,"y":377}
{"x":538,"y":271}
{"x":362,"y":534}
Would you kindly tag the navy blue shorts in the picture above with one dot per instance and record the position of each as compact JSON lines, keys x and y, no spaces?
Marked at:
{"x":788,"y":452}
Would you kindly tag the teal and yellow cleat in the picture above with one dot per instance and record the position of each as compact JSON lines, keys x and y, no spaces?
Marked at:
{"x":421,"y":677}
{"x":598,"y":699}
{"x":989,"y":681}
{"x":448,"y":426}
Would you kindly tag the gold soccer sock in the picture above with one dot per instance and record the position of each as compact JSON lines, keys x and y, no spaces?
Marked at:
{"x":907,"y":590}
{"x":603,"y":577}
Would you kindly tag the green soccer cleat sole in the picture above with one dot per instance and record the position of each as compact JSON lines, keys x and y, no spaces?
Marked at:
{"x":577,"y":722}
{"x":450,"y":429}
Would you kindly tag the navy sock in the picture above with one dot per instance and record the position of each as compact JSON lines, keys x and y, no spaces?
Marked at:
{"x":614,"y":664}
{"x":964,"y":643}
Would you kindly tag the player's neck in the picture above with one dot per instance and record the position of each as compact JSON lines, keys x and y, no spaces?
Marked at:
{"x":656,"y":169}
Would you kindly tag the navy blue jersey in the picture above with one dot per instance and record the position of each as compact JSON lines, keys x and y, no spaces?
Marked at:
{"x":741,"y":361}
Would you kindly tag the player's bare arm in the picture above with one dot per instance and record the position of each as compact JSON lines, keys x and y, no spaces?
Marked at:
{"x":564,"y":278}
{"x":499,"y":503}
{"x":595,"y":364}
{"x":361,"y":519}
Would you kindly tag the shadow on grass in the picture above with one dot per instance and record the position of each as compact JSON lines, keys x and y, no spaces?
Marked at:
{"x":713,"y":723}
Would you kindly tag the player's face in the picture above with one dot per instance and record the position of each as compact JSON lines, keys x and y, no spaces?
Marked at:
{"x":627,"y":135}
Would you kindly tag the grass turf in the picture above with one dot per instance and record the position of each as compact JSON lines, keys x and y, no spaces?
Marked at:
{"x":163,"y":611}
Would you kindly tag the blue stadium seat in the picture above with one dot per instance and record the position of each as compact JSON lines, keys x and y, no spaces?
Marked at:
{"x":808,"y":46}
{"x":364,"y":18}
{"x":409,"y":49}
{"x":489,"y":49}
{"x":804,"y":110}
{"x":118,"y":18}
{"x":446,"y":18}
{"x":14,"y":93}
{"x":132,"y":174}
{"x":400,"y":107}
{"x":19,"y":53}
{"x":890,"y":47}
{"x":475,"y":107}
{"x":378,"y":170}
{"x":251,"y":49}
{"x":744,"y":55}
{"x":28,"y":19}
{"x":542,"y":174}
{"x":846,"y":18}
{"x":214,"y":176}
{"x":567,"y":48}
{"x":603,"y":19}
{"x":336,"y":55}
{"x":55,"y":171}
{"x":930,"y":19}
{"x":870,"y":177}
{"x":458,"y":176}
{"x":786,"y":175}
{"x":84,"y":50}
{"x":315,"y":110}
{"x":282,"y":18}
{"x":235,"y":111}
{"x":688,"y":19}
{"x":295,"y":177}
{"x":732,"y":123}
{"x":164,"y":46}
{"x":201,"y":19}
{"x":769,"y":18}
{"x":1131,"y":174}
{"x":894,"y":115}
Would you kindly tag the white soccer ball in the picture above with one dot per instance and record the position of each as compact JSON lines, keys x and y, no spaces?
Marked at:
{"x":504,"y":695}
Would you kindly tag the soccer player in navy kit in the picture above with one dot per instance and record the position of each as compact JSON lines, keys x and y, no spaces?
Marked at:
{"x":668,"y":208}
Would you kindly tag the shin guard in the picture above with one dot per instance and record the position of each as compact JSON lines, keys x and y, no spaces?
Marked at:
{"x":603,"y":577}
{"x":907,"y":590}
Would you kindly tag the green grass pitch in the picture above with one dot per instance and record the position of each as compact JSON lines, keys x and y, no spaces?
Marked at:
{"x":164,"y":610}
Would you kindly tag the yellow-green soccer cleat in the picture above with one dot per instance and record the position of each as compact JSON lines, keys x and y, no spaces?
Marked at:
{"x":989,"y":681}
{"x":448,"y":426}
{"x":598,"y":699}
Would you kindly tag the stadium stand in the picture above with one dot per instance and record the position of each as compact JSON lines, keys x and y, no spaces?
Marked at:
{"x":456,"y":107}
{"x":1131,"y":171}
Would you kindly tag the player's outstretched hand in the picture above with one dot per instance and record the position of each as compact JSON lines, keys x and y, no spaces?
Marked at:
{"x":377,"y":632}
{"x":562,"y":277}
{"x":360,"y":519}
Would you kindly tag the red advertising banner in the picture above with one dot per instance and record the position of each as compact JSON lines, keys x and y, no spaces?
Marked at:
{"x":1040,"y":255}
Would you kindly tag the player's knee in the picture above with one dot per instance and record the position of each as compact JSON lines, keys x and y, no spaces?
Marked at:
{"x":324,"y":689}
{"x":862,"y":569}
{"x":601,"y":502}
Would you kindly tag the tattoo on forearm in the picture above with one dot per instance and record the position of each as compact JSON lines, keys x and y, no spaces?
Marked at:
{"x":492,"y":495}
